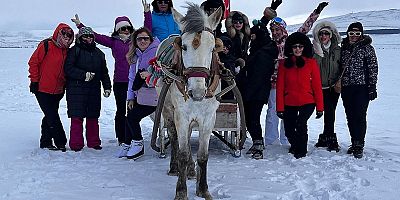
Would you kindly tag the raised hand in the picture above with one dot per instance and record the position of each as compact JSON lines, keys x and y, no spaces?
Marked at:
{"x":275,"y":4}
{"x":146,"y":6}
{"x":320,"y":7}
{"x":76,"y":20}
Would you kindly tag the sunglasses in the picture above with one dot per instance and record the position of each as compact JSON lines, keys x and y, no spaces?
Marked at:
{"x":126,"y":28}
{"x":88,"y":36}
{"x":144,"y":38}
{"x":354,"y":33}
{"x":321,"y":33}
{"x":297,"y":46}
{"x":67,"y":34}
{"x":163,"y":2}
{"x":239,"y":21}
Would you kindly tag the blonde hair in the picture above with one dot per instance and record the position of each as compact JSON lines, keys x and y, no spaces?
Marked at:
{"x":130,"y":56}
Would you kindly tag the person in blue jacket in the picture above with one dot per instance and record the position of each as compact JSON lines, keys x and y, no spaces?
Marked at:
{"x":160,"y":21}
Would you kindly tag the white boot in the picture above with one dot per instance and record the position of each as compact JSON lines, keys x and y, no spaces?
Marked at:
{"x":123,"y":151}
{"x":136,"y":150}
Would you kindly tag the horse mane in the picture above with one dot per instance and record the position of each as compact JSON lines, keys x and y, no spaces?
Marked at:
{"x":194,"y":19}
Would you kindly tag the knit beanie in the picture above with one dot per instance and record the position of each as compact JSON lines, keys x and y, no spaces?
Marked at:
{"x":207,"y":5}
{"x":85,"y":31}
{"x":121,"y":22}
{"x":355,"y":26}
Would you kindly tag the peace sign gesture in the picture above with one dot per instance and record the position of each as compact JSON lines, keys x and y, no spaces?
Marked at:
{"x":146,"y":6}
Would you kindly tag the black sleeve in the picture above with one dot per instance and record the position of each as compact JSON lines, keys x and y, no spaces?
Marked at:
{"x":70,"y":69}
{"x":105,"y":77}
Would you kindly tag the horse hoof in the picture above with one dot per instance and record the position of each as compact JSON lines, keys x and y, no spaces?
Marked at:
{"x":206,"y":195}
{"x":179,"y":197}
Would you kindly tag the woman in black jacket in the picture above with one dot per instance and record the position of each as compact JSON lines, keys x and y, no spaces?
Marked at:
{"x":85,"y":70}
{"x":254,"y":82}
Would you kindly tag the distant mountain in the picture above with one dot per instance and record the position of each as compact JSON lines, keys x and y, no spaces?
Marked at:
{"x":372,"y":20}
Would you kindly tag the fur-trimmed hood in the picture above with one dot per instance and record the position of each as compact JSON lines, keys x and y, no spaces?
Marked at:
{"x":335,"y":40}
{"x":232,"y":31}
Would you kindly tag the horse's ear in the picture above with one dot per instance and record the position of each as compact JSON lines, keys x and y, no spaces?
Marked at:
{"x":178,"y":18}
{"x":215,"y":18}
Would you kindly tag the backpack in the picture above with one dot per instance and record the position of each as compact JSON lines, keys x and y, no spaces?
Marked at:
{"x":46,"y":47}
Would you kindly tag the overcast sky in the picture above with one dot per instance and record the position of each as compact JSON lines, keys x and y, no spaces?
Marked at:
{"x":46,"y":14}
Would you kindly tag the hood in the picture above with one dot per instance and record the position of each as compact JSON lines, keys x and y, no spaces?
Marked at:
{"x":57,"y":30}
{"x":336,"y":39}
{"x":232,"y":31}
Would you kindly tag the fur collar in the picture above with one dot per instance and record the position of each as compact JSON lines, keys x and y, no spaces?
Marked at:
{"x":336,"y":39}
{"x":232,"y":31}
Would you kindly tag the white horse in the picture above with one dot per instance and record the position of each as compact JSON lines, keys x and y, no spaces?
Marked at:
{"x":188,"y":102}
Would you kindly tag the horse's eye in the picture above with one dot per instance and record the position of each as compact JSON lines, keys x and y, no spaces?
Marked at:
{"x":184,"y":47}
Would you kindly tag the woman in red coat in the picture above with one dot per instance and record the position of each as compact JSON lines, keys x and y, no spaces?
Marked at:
{"x":299,"y":91}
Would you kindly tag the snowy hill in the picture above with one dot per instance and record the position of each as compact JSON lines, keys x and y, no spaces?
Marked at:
{"x":384,"y":19}
{"x":371,"y":20}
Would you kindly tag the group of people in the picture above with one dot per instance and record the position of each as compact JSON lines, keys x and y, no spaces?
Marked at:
{"x":290,"y":74}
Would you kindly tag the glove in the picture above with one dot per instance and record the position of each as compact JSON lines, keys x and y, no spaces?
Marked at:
{"x":372,"y":94}
{"x":275,"y":4}
{"x":146,"y":6}
{"x":89,"y":76}
{"x":76,"y":20}
{"x":280,"y":114}
{"x":107,"y":93}
{"x":34,"y":87}
{"x":320,"y":7}
{"x":319,"y":114}
{"x":130,"y":104}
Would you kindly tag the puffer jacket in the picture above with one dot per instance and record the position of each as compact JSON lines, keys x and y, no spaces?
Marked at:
{"x":160,"y":24}
{"x":327,"y":59}
{"x":48,"y":69}
{"x":84,"y":97}
{"x":142,"y":62}
{"x":359,"y":62}
{"x":240,"y":39}
{"x":299,"y":86}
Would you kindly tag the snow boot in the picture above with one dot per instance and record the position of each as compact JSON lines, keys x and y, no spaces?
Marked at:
{"x":123,"y":151}
{"x":136,"y":150}
{"x":258,"y":150}
{"x":358,"y":149}
{"x":332,"y":143}
{"x":322,"y":140}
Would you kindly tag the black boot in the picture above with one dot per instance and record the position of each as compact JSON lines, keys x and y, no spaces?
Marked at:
{"x":257,"y":149}
{"x":332,"y":143}
{"x":358,"y":149}
{"x":322,"y":141}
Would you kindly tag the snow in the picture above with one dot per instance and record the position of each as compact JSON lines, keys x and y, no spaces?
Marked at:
{"x":28,"y":172}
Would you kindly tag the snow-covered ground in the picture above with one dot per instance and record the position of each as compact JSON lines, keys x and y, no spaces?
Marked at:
{"x":28,"y":172}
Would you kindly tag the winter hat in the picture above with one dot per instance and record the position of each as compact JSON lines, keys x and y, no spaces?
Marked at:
{"x":207,"y":5}
{"x":278,"y":22}
{"x":85,"y":31}
{"x":298,"y":38}
{"x":121,"y":22}
{"x":227,"y":41}
{"x":327,"y":29}
{"x":237,"y":16}
{"x":355,"y":26}
{"x":155,"y":6}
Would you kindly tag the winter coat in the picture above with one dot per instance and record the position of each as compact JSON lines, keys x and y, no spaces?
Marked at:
{"x":327,"y":59}
{"x":147,"y":94}
{"x":48,"y":69}
{"x":254,"y":80}
{"x":119,"y":49}
{"x":84,"y":97}
{"x":240,"y":39}
{"x":359,"y":62}
{"x":298,"y":86}
{"x":161,"y":24}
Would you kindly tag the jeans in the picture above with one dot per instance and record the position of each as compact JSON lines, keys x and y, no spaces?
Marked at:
{"x":272,"y":122}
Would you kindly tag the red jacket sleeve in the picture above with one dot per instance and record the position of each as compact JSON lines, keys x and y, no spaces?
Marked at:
{"x":34,"y":63}
{"x":317,"y":86}
{"x":280,"y":88}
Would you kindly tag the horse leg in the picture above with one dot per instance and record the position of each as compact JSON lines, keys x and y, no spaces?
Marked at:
{"x":173,"y":165}
{"x":202,"y":159}
{"x":191,"y":164}
{"x":183,"y":159}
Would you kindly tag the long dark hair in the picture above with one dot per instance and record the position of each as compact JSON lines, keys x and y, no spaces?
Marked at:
{"x":133,"y":45}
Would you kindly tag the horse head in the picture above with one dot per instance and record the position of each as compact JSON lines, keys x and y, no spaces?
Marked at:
{"x":197,"y":46}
